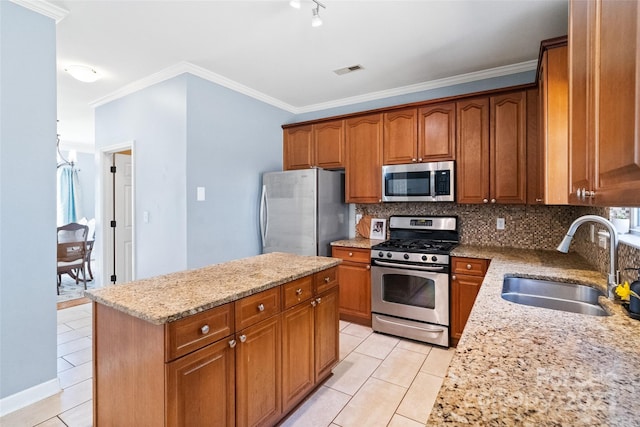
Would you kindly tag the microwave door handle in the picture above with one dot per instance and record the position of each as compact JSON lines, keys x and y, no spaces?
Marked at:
{"x":409,"y":266}
{"x":263,"y":215}
{"x":432,"y":181}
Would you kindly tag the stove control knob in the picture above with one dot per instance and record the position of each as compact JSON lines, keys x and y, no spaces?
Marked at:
{"x":424,"y":257}
{"x":434,"y":258}
{"x":406,"y":256}
{"x":380,"y":254}
{"x":388,"y":254}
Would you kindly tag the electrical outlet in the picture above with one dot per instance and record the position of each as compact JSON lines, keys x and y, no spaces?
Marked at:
{"x":500,"y":224}
{"x":602,"y":242}
{"x":358,"y":218}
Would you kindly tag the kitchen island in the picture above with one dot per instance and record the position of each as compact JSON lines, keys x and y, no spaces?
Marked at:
{"x":239,"y":343}
{"x":529,"y":366}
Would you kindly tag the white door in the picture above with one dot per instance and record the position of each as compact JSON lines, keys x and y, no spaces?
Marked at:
{"x":123,"y":215}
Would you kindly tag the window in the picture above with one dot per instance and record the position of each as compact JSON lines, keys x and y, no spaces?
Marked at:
{"x":635,"y":221}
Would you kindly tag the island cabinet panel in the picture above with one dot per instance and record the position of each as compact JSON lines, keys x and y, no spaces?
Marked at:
{"x":400,"y":136}
{"x":327,"y":336}
{"x":437,"y":133}
{"x":201,"y":388}
{"x":297,"y":291}
{"x":467,"y":275}
{"x":258,"y":374}
{"x":355,"y":284}
{"x":257,"y":307}
{"x":363,"y":170}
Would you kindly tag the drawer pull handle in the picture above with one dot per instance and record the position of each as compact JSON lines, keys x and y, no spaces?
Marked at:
{"x":327,"y":280}
{"x":318,"y":300}
{"x":232,"y":343}
{"x":368,"y":267}
{"x":204,"y":329}
{"x":298,"y":291}
{"x":468,"y":266}
{"x":260,"y":307}
{"x":350,"y":253}
{"x":453,"y":277}
{"x":243,"y":338}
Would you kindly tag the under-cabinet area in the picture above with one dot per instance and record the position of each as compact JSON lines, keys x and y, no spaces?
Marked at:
{"x":246,"y":362}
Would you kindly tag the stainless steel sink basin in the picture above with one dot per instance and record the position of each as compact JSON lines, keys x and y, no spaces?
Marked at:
{"x":570,"y":297}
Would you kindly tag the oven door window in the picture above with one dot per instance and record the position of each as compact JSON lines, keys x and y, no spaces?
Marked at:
{"x":408,"y":184}
{"x":409,"y":290}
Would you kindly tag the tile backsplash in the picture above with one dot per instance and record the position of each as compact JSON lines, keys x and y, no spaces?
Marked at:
{"x":526,"y":227}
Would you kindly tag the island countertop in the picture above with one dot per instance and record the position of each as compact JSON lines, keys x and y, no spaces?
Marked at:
{"x":170,"y":297}
{"x":529,"y":366}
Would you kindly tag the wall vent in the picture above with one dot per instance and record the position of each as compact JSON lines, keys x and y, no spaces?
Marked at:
{"x":347,"y":70}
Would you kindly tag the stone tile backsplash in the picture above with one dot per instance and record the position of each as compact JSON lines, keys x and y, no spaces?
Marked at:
{"x":526,"y":227}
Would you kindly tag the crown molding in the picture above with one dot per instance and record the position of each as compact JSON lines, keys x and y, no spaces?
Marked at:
{"x":419,"y":87}
{"x":44,"y":8}
{"x":187,"y":67}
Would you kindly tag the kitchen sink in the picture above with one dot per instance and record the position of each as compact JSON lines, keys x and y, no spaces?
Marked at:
{"x":570,"y":297}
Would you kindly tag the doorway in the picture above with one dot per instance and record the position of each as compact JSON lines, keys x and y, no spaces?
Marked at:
{"x":117,"y":213}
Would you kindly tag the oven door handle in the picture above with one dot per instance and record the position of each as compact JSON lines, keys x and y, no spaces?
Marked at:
{"x":409,"y":266}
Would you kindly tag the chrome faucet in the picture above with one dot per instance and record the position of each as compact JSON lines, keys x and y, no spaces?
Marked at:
{"x":612,"y":280}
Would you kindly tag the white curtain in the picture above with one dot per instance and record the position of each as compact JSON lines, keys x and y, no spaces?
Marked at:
{"x":68,"y":197}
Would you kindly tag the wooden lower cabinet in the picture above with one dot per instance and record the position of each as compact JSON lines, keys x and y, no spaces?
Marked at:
{"x":467,"y":275}
{"x":355,"y":284}
{"x":258,"y":374}
{"x":175,"y":375}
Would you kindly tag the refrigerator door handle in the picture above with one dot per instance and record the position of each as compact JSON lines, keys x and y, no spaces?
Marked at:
{"x":263,"y":214}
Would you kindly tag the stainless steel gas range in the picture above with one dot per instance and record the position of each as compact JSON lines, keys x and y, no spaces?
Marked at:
{"x":410,"y":278}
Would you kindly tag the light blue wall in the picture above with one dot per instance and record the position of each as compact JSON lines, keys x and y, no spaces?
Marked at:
{"x":232,"y":139}
{"x":155,"y":118}
{"x":460,"y":89}
{"x":27,"y":199}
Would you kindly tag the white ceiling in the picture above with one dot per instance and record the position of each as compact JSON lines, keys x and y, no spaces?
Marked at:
{"x":269,"y":49}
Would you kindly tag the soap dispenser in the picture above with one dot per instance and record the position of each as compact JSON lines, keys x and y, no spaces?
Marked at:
{"x":634,"y":303}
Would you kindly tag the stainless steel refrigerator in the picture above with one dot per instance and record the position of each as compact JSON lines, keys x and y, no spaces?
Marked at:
{"x":302,"y":211}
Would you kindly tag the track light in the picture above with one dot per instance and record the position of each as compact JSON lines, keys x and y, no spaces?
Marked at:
{"x":316,"y":21}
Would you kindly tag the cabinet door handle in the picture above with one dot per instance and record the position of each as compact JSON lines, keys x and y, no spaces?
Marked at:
{"x":493,"y":200}
{"x":243,"y":338}
{"x":420,"y":159}
{"x":260,"y":307}
{"x":313,"y":303}
{"x":318,"y":300}
{"x":327,"y":280}
{"x":485,"y":200}
{"x":453,"y":277}
{"x":414,"y":160}
{"x":368,"y":267}
{"x":539,"y":200}
{"x":204,"y":329}
{"x":232,"y":343}
{"x":299,"y":292}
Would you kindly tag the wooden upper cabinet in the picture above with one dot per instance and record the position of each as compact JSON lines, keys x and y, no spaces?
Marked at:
{"x":437,"y":132}
{"x":329,"y":144}
{"x":363,"y":177}
{"x":321,"y":144}
{"x":472,"y":168}
{"x":400,"y":136}
{"x":298,"y":148}
{"x":604,"y":86}
{"x":507,"y":147}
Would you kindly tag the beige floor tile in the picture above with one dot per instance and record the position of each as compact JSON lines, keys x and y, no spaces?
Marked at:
{"x":80,"y":416}
{"x":377,"y":345}
{"x":419,"y":400}
{"x":418,"y":347}
{"x":400,"y":421}
{"x":63,"y":365}
{"x":373,"y":405}
{"x":79,"y":357}
{"x":80,"y":323}
{"x":348,"y":343}
{"x":358,"y":330}
{"x":70,"y":336}
{"x":75,"y":375}
{"x":62,"y":328}
{"x":73,"y":346}
{"x":350,"y":374}
{"x":69,"y":315}
{"x":319,"y":410}
{"x":52,"y":422}
{"x":343,"y":324}
{"x":438,"y":361}
{"x":400,"y":367}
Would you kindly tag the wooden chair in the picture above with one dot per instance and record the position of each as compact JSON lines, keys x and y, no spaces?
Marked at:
{"x":72,"y":252}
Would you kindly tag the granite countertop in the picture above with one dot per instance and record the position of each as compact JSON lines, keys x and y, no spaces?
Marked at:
{"x":170,"y":297}
{"x":529,"y":366}
{"x":357,"y":242}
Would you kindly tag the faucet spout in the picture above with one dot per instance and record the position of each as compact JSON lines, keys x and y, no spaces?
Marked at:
{"x":612,"y":279}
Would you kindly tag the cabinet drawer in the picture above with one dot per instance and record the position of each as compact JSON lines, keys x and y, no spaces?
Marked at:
{"x":191,"y":333}
{"x":326,"y":279}
{"x":471,"y":266}
{"x":352,"y":254}
{"x":257,"y":307}
{"x":297,"y":291}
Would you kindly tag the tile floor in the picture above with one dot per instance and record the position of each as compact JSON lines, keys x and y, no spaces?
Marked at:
{"x":380,"y":381}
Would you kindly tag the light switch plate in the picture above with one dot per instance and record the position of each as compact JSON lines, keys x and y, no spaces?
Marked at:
{"x":500,"y":224}
{"x":200,"y":194}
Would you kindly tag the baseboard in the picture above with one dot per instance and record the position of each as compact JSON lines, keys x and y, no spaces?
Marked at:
{"x":29,"y":396}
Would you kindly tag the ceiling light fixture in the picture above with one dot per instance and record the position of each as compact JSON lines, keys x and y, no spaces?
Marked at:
{"x":83,"y":73}
{"x":295,"y":4}
{"x":316,"y":21}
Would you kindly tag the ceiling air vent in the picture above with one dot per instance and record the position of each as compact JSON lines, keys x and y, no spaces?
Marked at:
{"x":350,"y":69}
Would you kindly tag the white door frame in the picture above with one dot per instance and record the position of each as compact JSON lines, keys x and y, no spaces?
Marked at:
{"x":105,"y":210}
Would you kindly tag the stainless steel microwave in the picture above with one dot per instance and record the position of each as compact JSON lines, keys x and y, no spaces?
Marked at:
{"x":419,"y":182}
